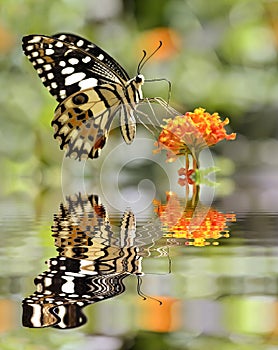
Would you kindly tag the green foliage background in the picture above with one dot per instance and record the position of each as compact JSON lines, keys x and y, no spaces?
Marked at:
{"x":226,"y":62}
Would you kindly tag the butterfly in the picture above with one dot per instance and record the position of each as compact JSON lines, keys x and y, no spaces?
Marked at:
{"x":91,"y":88}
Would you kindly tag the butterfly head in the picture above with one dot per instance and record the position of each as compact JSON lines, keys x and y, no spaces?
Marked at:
{"x":137,"y":83}
{"x":139,"y":80}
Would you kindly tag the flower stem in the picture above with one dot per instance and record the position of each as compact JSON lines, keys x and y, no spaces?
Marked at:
{"x":195,"y":195}
{"x":186,"y":171}
{"x":195,"y":163}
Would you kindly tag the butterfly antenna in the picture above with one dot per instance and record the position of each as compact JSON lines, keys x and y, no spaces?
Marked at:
{"x":142,"y":295}
{"x":140,"y":64}
{"x":143,"y":61}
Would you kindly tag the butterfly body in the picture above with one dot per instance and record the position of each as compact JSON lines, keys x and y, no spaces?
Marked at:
{"x":91,"y":88}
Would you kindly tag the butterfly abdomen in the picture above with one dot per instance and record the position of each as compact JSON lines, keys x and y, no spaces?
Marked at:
{"x":133,"y":95}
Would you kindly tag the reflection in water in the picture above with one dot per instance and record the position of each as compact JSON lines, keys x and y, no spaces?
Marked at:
{"x":92,"y":264}
{"x":198,"y":226}
{"x":96,"y":254}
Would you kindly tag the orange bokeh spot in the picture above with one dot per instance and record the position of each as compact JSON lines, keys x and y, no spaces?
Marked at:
{"x":7,"y":40}
{"x":7,"y":315}
{"x":160,"y":318}
{"x":149,"y":41}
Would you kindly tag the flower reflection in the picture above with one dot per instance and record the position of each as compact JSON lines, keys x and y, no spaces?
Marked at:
{"x":179,"y":221}
{"x":92,"y":263}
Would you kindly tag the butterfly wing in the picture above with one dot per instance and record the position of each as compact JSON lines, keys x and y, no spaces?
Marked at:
{"x":80,"y":220}
{"x":67,"y":63}
{"x":77,"y":72}
{"x":94,"y":51}
{"x":82,"y":122}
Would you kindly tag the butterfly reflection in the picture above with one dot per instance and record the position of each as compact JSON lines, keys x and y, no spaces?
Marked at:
{"x":91,"y":266}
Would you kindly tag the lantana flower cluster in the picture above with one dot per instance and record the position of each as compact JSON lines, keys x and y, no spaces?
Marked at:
{"x":191,"y":133}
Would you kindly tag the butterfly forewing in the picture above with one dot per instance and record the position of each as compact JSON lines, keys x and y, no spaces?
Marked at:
{"x":66,"y":68}
{"x":94,"y":51}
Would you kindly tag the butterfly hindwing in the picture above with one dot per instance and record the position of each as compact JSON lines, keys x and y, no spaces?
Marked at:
{"x":82,"y":122}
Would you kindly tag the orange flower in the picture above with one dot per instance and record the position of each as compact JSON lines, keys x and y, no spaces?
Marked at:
{"x":191,"y":133}
{"x":210,"y":126}
{"x":178,"y":222}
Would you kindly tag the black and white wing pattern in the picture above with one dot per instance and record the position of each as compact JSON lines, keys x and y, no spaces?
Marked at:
{"x":91,"y":265}
{"x":91,"y":88}
{"x":67,"y":63}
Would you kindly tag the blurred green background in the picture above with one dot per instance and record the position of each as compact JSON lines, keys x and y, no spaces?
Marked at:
{"x":220,"y":55}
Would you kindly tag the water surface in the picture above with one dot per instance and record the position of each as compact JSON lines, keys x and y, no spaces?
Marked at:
{"x":115,"y":280}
